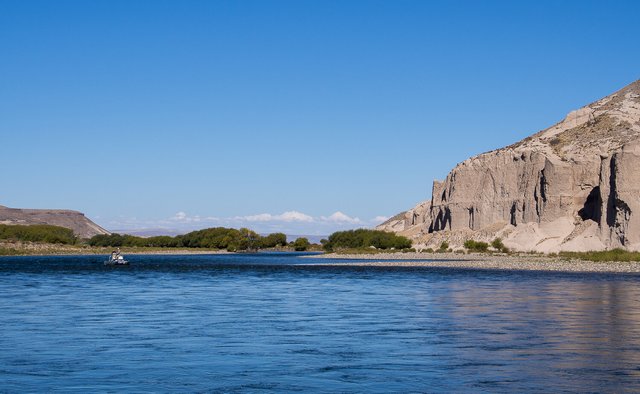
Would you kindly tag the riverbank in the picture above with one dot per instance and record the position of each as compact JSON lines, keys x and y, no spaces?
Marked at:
{"x":524,"y":262}
{"x":477,"y":261}
{"x":40,"y":249}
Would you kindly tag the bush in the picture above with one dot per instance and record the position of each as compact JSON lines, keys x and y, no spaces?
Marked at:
{"x":444,"y":246}
{"x":301,"y":244}
{"x":497,"y":244}
{"x":38,"y":233}
{"x":475,"y":246}
{"x":273,"y":240}
{"x":363,"y":238}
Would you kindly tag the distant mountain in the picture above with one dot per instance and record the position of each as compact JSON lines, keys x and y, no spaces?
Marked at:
{"x":314,"y":239}
{"x":574,"y":186}
{"x":73,"y":220}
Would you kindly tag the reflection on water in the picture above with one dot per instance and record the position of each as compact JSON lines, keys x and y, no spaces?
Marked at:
{"x":244,"y":323}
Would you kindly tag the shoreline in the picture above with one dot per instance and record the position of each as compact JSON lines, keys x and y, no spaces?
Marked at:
{"x":37,"y":249}
{"x":149,"y":253}
{"x":477,"y":261}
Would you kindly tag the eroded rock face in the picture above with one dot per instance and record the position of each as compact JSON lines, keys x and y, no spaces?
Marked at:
{"x":73,"y":220}
{"x":574,"y":186}
{"x":408,"y":223}
{"x":620,"y":197}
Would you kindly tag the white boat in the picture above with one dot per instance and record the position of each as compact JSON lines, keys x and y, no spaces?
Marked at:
{"x":116,"y":259}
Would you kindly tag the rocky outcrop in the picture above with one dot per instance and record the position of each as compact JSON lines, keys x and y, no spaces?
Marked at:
{"x":408,"y":223}
{"x":573,"y":186}
{"x":73,"y":220}
{"x":618,"y":197}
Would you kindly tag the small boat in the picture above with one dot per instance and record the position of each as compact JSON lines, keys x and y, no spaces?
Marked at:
{"x":116,"y":259}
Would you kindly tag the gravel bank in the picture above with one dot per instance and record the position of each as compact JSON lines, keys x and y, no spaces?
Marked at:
{"x":477,"y":261}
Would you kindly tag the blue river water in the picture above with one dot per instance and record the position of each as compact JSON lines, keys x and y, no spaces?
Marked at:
{"x":278,"y":323}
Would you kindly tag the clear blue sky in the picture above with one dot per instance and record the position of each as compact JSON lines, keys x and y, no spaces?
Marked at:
{"x":192,"y":113}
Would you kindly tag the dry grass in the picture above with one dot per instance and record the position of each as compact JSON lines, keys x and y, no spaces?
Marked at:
{"x":602,"y":256}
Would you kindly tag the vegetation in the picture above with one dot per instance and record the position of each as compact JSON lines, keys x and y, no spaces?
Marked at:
{"x":9,"y":251}
{"x":363,"y":238}
{"x":475,"y":246}
{"x":364,"y":251}
{"x":301,"y":244}
{"x":482,"y":247}
{"x":274,"y":240}
{"x":37,"y":233}
{"x":211,"y":238}
{"x":499,"y":246}
{"x":605,"y":255}
{"x":444,"y":246}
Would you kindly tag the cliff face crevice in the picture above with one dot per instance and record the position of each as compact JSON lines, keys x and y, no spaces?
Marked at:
{"x":574,"y":186}
{"x":591,"y":210}
{"x":621,"y":197}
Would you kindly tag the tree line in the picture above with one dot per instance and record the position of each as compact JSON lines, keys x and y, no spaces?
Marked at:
{"x":37,"y":233}
{"x":230,"y":239}
{"x":363,"y":238}
{"x":211,"y":238}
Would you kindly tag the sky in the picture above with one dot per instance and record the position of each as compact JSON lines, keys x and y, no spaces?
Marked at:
{"x":301,"y":116}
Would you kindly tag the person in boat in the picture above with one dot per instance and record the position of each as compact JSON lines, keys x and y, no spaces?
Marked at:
{"x":115,"y":255}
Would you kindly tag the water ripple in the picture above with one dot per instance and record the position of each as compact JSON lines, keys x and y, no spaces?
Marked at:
{"x":263,"y":323}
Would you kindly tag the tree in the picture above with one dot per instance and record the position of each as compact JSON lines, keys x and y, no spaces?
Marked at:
{"x":363,"y":238}
{"x":38,"y":233}
{"x":301,"y":244}
{"x":273,"y":240}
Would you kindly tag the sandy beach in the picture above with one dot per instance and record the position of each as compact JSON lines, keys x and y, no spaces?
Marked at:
{"x":478,"y":261}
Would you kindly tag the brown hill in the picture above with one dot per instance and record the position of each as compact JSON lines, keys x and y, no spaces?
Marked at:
{"x":73,"y":220}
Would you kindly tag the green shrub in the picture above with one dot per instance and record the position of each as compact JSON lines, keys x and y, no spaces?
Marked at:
{"x":605,"y":255}
{"x":497,"y":244}
{"x":10,"y":251}
{"x":273,"y":240}
{"x":301,"y":244}
{"x":444,"y":246}
{"x":38,"y":233}
{"x":212,"y":238}
{"x":475,"y":246}
{"x":363,"y":238}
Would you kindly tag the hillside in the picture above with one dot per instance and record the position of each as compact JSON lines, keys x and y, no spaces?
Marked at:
{"x":573,"y":186}
{"x":73,"y":220}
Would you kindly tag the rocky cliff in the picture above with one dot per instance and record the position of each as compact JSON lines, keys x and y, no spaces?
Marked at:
{"x":73,"y":220}
{"x":573,"y":186}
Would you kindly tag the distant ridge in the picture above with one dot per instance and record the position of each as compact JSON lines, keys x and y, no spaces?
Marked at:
{"x":73,"y":220}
